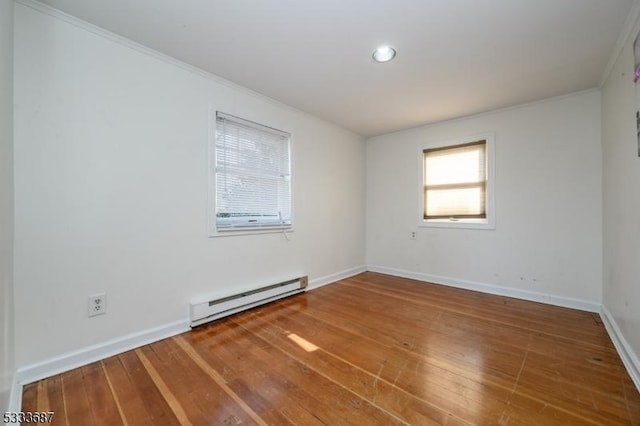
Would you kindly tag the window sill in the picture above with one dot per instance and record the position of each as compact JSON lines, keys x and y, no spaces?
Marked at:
{"x":249,"y":231}
{"x":460,"y":224}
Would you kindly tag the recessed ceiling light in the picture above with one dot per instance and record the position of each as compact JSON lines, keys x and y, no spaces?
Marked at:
{"x":384,"y":54}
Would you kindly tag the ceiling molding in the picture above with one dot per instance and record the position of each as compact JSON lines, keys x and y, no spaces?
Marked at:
{"x":630,"y":28}
{"x":123,"y":41}
{"x":487,"y":113}
{"x":425,"y":86}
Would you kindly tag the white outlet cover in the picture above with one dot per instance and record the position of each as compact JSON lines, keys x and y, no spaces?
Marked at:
{"x":97,"y":304}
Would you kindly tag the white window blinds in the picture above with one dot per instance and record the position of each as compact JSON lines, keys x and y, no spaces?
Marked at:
{"x":253,"y":175}
{"x":455,"y":181}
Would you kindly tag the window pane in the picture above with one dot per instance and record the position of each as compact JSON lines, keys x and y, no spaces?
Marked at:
{"x":461,"y":202}
{"x":455,"y":181}
{"x":253,"y":181}
{"x":458,"y":166}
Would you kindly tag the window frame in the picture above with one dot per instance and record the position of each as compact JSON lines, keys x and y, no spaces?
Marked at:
{"x":469,"y":223}
{"x":214,"y":230}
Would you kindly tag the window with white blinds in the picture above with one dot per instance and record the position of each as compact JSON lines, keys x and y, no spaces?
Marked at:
{"x":252,"y":175}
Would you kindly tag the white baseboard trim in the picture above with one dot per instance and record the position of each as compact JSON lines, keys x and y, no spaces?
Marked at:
{"x":328,"y":279}
{"x":567,"y":302}
{"x":84,"y":356}
{"x":65,"y":362}
{"x":15,"y":398}
{"x":629,"y":357}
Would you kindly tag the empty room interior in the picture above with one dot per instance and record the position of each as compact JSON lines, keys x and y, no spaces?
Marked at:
{"x":320,"y":212}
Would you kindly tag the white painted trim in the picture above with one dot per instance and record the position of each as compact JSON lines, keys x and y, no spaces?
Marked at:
{"x":84,"y":356}
{"x":480,"y":224}
{"x":550,"y":299}
{"x":15,"y":398}
{"x":123,"y":41}
{"x":32,"y":373}
{"x":629,"y":29}
{"x":629,"y":357}
{"x":434,"y":124}
{"x":329,"y":279}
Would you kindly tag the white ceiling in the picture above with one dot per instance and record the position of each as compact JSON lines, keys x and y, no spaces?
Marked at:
{"x":455,"y":57}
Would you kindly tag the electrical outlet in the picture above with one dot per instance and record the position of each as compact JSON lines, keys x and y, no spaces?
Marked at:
{"x":413,"y":235}
{"x":97,"y":304}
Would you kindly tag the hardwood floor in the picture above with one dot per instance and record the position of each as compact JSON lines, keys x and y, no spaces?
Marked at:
{"x":372,"y":349}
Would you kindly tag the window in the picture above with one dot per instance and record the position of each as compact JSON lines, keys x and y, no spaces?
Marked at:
{"x":252,"y":165}
{"x":457,"y":184}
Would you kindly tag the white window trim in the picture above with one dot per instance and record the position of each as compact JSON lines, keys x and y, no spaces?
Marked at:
{"x":487,"y":223}
{"x":211,"y":205}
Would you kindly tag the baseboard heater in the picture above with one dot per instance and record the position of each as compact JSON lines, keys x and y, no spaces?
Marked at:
{"x":204,"y":311}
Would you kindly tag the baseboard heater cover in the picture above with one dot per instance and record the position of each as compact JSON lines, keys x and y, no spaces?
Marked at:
{"x":209,"y":310}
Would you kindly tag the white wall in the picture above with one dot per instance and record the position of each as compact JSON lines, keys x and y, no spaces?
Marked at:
{"x":111,"y":190}
{"x":621,"y":200}
{"x":547,"y":242}
{"x":6,"y":201}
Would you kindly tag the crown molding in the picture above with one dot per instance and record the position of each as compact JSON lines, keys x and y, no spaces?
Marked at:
{"x":629,"y":30}
{"x":123,"y":41}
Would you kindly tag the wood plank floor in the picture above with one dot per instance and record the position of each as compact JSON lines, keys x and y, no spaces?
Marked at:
{"x":371,"y":349}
